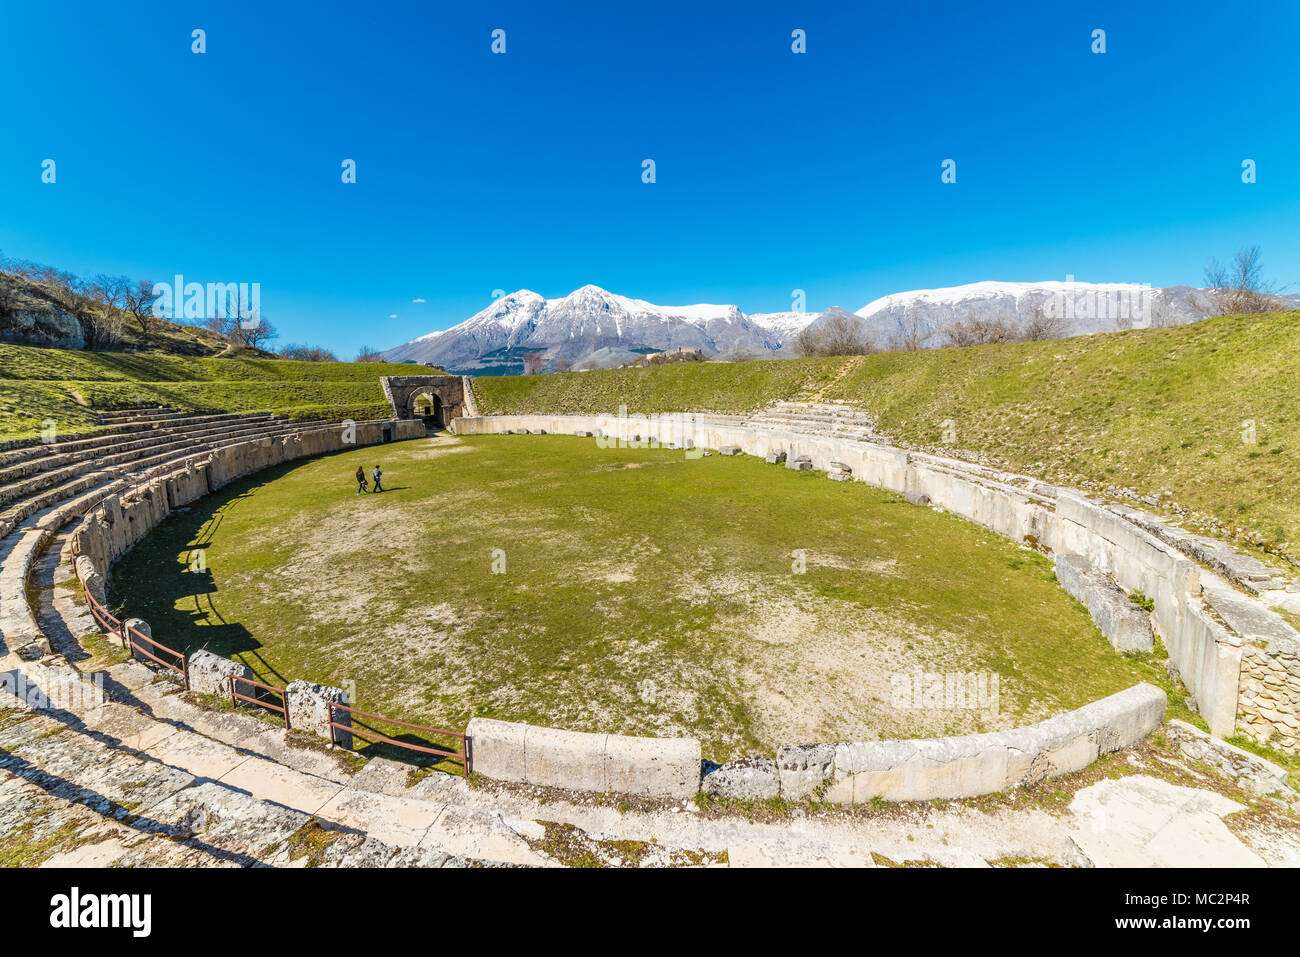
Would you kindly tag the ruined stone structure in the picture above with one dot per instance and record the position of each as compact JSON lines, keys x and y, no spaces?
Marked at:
{"x":221,"y":786}
{"x":1236,"y":656}
{"x":437,"y":399}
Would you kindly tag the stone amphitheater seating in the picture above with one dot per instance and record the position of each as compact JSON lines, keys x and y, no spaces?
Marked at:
{"x":833,"y":419}
{"x":44,"y":486}
{"x":78,"y":764}
{"x":230,"y":770}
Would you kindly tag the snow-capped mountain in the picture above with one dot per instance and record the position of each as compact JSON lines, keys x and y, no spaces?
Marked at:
{"x":594,"y":327}
{"x":587,"y":321}
{"x":1077,"y":307}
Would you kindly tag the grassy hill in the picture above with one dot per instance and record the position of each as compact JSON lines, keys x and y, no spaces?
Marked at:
{"x":1153,"y":410}
{"x":64,"y":385}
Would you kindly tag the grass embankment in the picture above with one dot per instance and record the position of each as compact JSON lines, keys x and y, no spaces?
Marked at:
{"x":679,"y":387}
{"x":1152,"y":409}
{"x":635,"y":591}
{"x":62,"y":385}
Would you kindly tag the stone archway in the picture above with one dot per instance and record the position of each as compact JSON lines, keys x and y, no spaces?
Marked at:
{"x":429,"y":407}
{"x":438,"y":399}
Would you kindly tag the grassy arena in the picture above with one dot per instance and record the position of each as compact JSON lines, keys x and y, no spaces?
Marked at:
{"x":642,"y":593}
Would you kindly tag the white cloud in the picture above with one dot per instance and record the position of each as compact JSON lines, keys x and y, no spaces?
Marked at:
{"x":393,"y":316}
{"x":417,"y":300}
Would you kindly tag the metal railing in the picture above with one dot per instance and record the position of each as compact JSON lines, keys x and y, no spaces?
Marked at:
{"x":131,"y":639}
{"x":182,"y":669}
{"x":282,"y":708}
{"x":372,"y":735}
{"x":101,"y":614}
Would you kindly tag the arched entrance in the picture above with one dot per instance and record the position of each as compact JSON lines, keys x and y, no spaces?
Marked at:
{"x":437,"y":399}
{"x":428,"y":406}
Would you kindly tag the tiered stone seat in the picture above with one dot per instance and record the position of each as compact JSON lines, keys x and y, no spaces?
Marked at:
{"x":836,"y":419}
{"x":46,"y":485}
{"x":41,"y":476}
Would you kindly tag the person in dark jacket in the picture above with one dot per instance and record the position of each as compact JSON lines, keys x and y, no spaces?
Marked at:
{"x":361,"y":480}
{"x":377,"y":473}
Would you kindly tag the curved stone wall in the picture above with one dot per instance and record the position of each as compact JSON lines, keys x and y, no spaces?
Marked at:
{"x":109,"y":530}
{"x":1207,"y":654}
{"x":1055,"y":520}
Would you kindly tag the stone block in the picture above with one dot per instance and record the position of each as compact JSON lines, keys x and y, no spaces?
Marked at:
{"x":803,"y":768}
{"x":774,"y":458}
{"x":211,"y":674}
{"x":133,"y":629}
{"x":749,"y":779}
{"x":565,"y":759}
{"x":497,"y":749}
{"x":652,"y":767}
{"x":90,"y":577}
{"x":729,"y":450}
{"x":309,"y":711}
{"x":1125,"y":625}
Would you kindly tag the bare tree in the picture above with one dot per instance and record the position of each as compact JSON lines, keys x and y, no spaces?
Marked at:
{"x":836,"y":335}
{"x":533,"y":362}
{"x":979,"y":331}
{"x":1042,"y":326}
{"x":140,"y":299}
{"x":1240,"y":287}
{"x":252,"y":332}
{"x":844,"y":336}
{"x":101,"y":324}
{"x":218,"y":326}
{"x":911,"y":334}
{"x":807,"y":343}
{"x":368,"y":354}
{"x":562,"y":364}
{"x":307,"y":353}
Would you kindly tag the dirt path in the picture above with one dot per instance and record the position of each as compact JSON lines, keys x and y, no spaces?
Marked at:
{"x":852,"y":363}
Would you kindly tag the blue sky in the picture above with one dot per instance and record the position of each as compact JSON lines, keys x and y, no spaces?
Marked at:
{"x":775,"y":171}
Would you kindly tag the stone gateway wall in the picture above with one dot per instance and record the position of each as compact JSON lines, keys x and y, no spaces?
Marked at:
{"x":846,"y":773}
{"x":452,"y":391}
{"x":602,"y":763}
{"x":1268,"y":709}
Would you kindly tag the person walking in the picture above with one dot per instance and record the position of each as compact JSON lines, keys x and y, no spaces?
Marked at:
{"x":361,"y":479}
{"x":377,"y":473}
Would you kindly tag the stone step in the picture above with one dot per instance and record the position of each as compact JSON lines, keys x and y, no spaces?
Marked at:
{"x":115,"y":433}
{"x":148,"y":450}
{"x":176,"y":457}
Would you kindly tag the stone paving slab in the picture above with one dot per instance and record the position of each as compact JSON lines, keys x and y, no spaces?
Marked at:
{"x":1143,"y":821}
{"x":470,"y":832}
{"x":18,"y":731}
{"x":229,"y":822}
{"x":271,"y":743}
{"x":127,"y":728}
{"x":29,"y":813}
{"x":73,"y":766}
{"x":392,"y":820}
{"x":382,"y":776}
{"x":204,"y":758}
{"x":270,"y":781}
{"x":130,"y":676}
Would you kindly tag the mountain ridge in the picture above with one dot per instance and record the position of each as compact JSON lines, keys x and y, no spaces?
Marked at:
{"x":592,"y":327}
